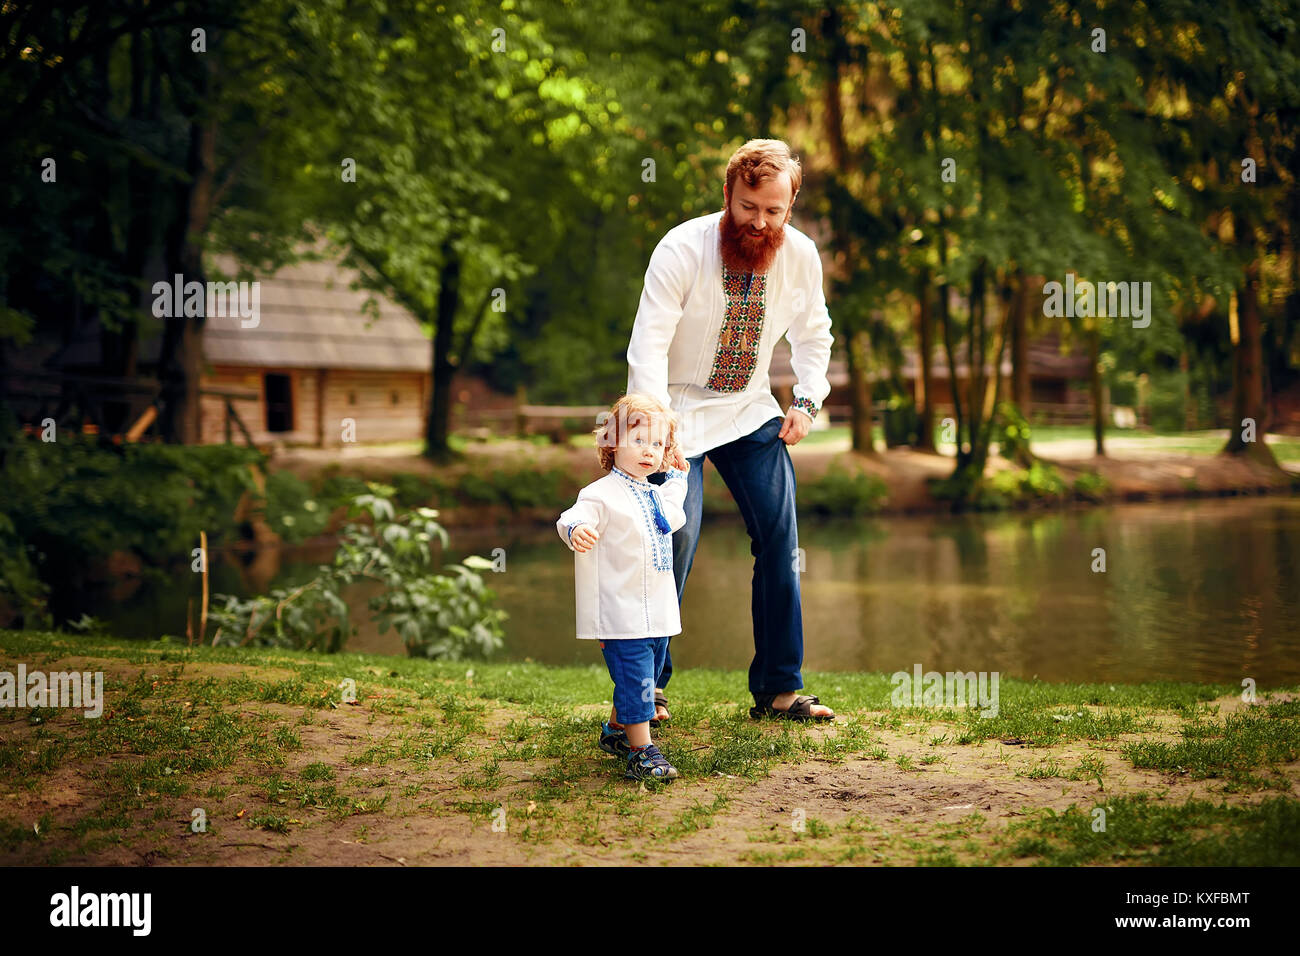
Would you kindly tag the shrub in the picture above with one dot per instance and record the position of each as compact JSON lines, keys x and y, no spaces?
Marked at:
{"x":1039,"y":482}
{"x":292,"y":509}
{"x":1011,"y":432}
{"x":838,"y":492}
{"x":73,"y":501}
{"x":1091,"y":487}
{"x":1165,"y":403}
{"x":448,"y":616}
{"x":22,"y":593}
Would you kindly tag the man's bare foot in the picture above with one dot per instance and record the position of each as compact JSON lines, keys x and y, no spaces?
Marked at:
{"x":661,"y":712}
{"x":783,"y":702}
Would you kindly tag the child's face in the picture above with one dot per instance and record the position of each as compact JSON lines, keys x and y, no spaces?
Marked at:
{"x":643,"y":452}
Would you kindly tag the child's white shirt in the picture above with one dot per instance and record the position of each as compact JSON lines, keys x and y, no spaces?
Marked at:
{"x":624,"y":585}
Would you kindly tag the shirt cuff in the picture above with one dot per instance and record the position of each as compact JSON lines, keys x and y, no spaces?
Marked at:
{"x":806,"y":406}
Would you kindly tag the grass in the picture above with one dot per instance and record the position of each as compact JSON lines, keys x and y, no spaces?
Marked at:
{"x":262,"y":742}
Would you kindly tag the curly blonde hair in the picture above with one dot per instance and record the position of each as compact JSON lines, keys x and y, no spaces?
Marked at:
{"x":625,"y":414}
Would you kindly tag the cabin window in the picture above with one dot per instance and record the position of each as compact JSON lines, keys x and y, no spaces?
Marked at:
{"x":396,"y":398}
{"x":279,"y":403}
{"x":352,"y":398}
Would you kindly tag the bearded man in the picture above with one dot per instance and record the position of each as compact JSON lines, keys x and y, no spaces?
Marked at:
{"x":719,"y":291}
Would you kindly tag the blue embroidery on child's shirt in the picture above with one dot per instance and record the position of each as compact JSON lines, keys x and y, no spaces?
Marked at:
{"x":661,"y":543}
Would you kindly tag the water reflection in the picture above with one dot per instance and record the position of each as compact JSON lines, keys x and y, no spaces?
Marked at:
{"x":1199,"y":590}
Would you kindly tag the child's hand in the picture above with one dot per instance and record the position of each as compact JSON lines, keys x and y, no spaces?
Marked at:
{"x":584,"y":538}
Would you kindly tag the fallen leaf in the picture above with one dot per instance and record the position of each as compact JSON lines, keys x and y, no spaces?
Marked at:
{"x":240,"y":814}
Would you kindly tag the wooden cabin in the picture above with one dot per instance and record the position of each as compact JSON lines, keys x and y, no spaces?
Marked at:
{"x":316,"y":370}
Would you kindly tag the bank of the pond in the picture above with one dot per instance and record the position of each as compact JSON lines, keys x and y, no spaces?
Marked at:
{"x":498,"y":482}
{"x":221,"y":756}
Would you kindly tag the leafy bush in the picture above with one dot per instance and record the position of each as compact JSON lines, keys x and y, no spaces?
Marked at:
{"x":1091,"y":487}
{"x":292,"y":510}
{"x":902,"y":422}
{"x":1039,"y":482}
{"x":1011,"y":432}
{"x":1165,"y":403}
{"x":340,"y":489}
{"x":22,"y":593}
{"x":413,"y":491}
{"x":73,"y":501}
{"x":530,"y":489}
{"x":438,"y":616}
{"x":838,"y":492}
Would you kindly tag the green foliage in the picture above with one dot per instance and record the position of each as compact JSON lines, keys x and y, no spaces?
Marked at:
{"x":1011,"y":432}
{"x":1091,"y":486}
{"x":292,"y":510}
{"x":22,"y":592}
{"x":445,"y":616}
{"x":514,"y":489}
{"x":1014,"y":487}
{"x":902,"y":423}
{"x":1165,"y":404}
{"x":73,"y":501}
{"x":839,"y":492}
{"x":413,"y":491}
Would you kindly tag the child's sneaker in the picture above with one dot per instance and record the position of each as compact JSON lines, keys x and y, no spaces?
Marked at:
{"x":649,"y":762}
{"x":614,"y":741}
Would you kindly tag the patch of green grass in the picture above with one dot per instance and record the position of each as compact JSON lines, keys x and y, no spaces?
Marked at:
{"x":1230,"y":748}
{"x":1140,"y":831}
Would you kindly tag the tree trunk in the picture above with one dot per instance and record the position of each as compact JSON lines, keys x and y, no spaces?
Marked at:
{"x":925,"y":378}
{"x":437,"y":428}
{"x":1248,"y":379}
{"x":860,"y":394}
{"x":1094,"y":387}
{"x":181,"y":360}
{"x":1021,"y":390}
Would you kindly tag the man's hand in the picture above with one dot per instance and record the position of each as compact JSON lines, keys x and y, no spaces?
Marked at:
{"x":678,"y":461}
{"x":584,"y":538}
{"x":795,"y":428}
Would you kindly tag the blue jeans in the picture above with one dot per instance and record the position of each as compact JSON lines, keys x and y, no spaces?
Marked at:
{"x":633,"y":664}
{"x":760,"y":476}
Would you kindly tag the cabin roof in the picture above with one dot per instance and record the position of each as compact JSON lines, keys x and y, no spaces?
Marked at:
{"x":310,"y":318}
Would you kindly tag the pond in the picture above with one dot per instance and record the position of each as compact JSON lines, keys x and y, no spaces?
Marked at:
{"x":1200,"y":590}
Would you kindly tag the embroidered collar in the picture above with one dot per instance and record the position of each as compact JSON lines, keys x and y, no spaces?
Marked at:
{"x":639,"y":481}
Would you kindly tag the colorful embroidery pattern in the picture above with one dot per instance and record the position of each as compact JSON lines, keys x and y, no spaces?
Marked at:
{"x":805,"y":405}
{"x":742,"y":330}
{"x":661,"y":545}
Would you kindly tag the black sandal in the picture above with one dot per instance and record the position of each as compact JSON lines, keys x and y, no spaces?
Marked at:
{"x":660,"y":701}
{"x":800,"y":710}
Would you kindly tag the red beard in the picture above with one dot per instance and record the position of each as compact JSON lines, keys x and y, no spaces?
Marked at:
{"x":742,"y":251}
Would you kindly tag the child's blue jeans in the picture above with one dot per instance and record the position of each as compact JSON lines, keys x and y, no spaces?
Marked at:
{"x":633,"y":665}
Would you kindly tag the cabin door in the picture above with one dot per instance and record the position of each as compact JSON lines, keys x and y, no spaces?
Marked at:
{"x":279,"y":403}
